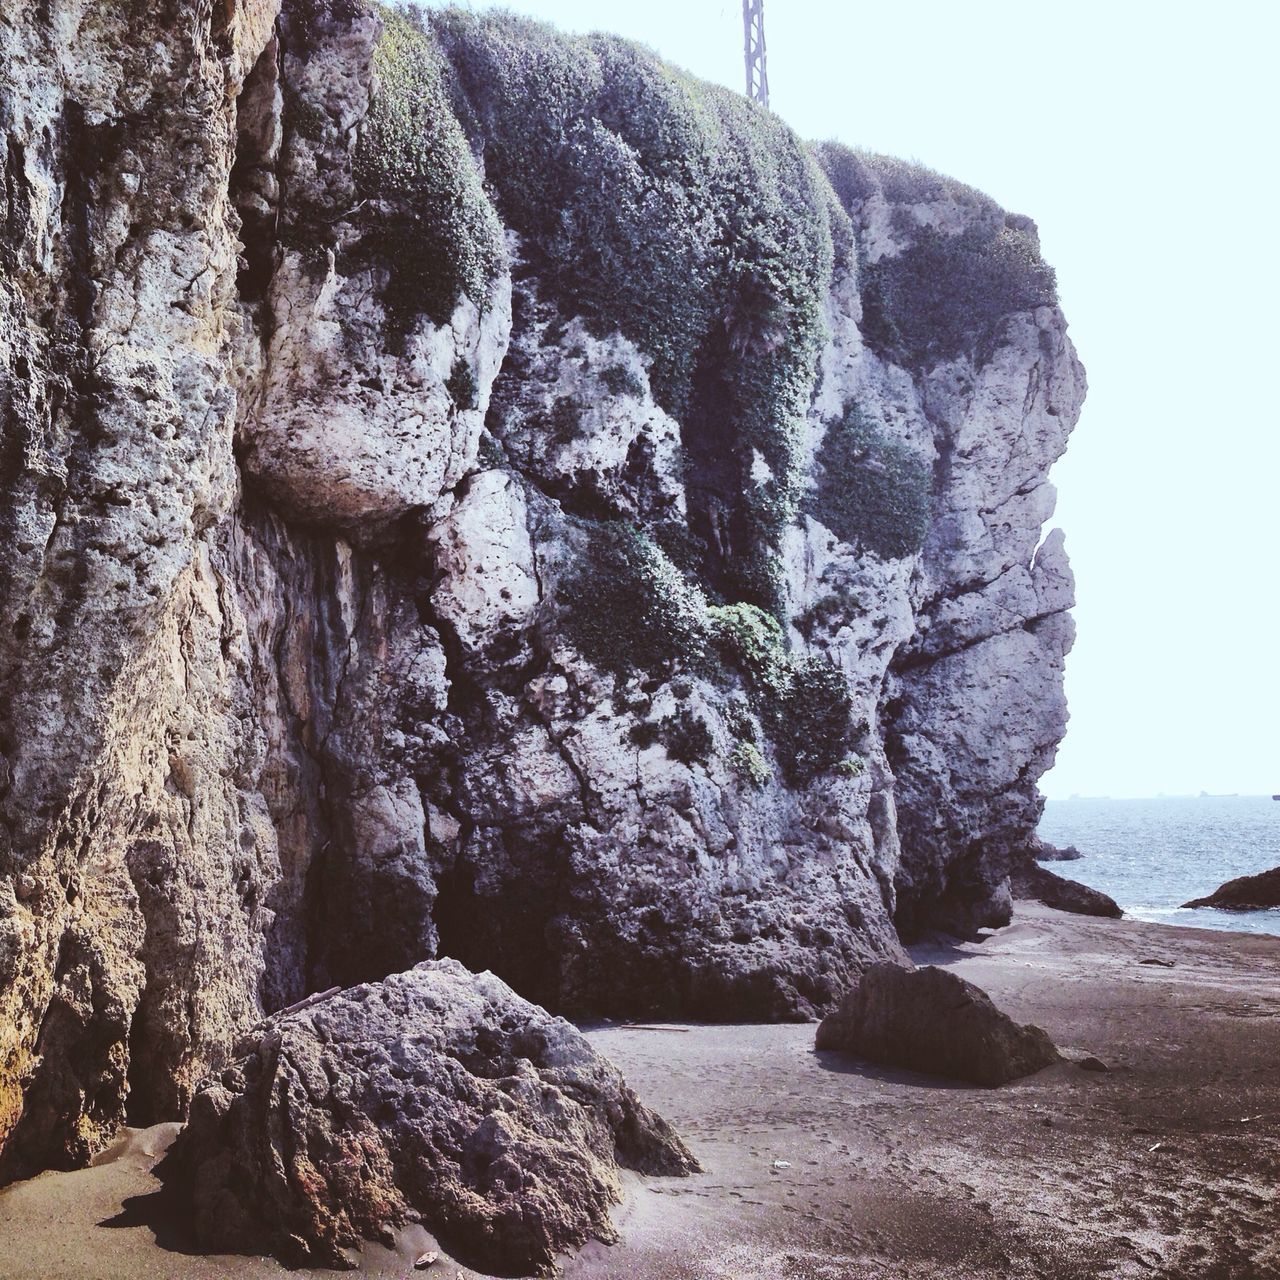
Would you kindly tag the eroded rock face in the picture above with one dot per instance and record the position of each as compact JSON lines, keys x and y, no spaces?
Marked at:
{"x":933,"y":1021}
{"x":437,"y":1097}
{"x":119,"y":936}
{"x":456,"y":501}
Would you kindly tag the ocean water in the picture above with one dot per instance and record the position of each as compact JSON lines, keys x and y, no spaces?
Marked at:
{"x":1153,"y":855}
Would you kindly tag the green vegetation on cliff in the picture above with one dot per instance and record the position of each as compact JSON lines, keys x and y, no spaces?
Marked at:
{"x":872,"y":491}
{"x":626,"y":607}
{"x":435,"y":230}
{"x":706,"y":232}
{"x":628,"y":610}
{"x":857,"y":175}
{"x":947,"y":293}
{"x":752,"y":642}
{"x":804,"y":703}
{"x":684,"y":217}
{"x":810,"y":722}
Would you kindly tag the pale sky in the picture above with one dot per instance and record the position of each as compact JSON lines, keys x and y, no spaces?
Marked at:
{"x":1142,"y":138}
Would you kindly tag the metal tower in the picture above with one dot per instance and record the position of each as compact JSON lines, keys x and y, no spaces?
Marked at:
{"x":757,"y":64}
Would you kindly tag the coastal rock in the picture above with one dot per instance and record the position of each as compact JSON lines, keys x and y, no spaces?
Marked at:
{"x":437,"y":1097}
{"x":441,"y":515}
{"x":932,"y":1021}
{"x":1246,"y":893}
{"x":1045,"y":852}
{"x":1031,"y":881}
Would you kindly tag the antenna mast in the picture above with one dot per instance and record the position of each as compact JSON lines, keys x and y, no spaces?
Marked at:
{"x":757,"y":65}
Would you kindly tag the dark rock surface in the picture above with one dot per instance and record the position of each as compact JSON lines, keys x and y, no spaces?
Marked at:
{"x":1044,"y":852}
{"x":933,"y":1021}
{"x":1247,"y":893}
{"x":435,"y":1096}
{"x":1032,"y":882}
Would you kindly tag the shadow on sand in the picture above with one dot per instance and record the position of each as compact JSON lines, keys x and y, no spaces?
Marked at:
{"x":943,"y":950}
{"x":842,"y":1064}
{"x":161,"y":1214}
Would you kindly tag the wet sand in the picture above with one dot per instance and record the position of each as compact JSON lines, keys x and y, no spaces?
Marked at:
{"x":1167,"y":1165}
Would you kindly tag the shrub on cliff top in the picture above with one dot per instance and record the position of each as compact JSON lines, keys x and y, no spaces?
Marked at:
{"x":655,"y":204}
{"x":680,"y":215}
{"x":947,"y":293}
{"x":855,"y":175}
{"x":433,"y":228}
{"x":872,"y":491}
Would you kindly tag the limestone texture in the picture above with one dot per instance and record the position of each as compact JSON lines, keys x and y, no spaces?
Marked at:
{"x":933,"y":1021}
{"x":472,"y":492}
{"x":436,"y":1096}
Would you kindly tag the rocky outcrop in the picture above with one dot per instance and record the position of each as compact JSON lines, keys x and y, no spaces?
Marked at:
{"x":1246,"y":893}
{"x":973,"y":364}
{"x":436,"y":1097}
{"x":467,"y":492}
{"x":1032,"y":882}
{"x":1041,"y":851}
{"x":935,"y":1022}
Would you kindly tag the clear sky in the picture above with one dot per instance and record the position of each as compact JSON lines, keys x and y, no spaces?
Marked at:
{"x":1142,"y":137}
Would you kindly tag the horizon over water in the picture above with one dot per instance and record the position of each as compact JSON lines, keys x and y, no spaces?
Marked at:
{"x":1152,"y":855}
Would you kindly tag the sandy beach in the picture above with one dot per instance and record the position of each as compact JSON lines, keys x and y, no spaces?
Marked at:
{"x":819,"y":1168}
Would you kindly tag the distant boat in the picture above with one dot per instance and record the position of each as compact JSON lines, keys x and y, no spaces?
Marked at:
{"x":1275,"y":797}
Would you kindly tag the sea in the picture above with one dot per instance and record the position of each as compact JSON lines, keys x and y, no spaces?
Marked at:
{"x":1153,"y":855}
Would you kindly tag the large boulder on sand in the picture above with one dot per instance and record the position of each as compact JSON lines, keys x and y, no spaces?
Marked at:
{"x":1247,"y":893}
{"x":934,"y":1021}
{"x":1031,"y":882}
{"x":436,"y":1096}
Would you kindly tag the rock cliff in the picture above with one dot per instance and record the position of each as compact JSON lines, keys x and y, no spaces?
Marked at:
{"x":470,"y":492}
